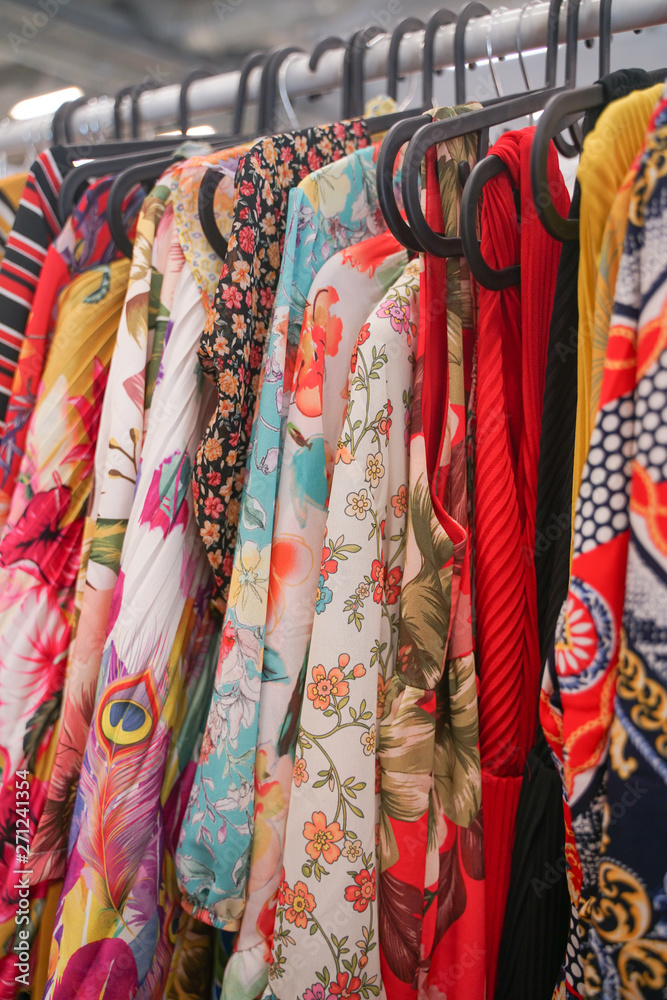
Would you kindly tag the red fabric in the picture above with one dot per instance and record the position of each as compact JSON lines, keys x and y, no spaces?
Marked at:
{"x":513,"y":332}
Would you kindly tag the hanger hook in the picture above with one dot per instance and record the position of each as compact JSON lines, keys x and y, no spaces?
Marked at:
{"x":324,"y":45}
{"x":135,"y":94}
{"x":519,"y":47}
{"x":118,"y":100}
{"x":251,"y":62}
{"x":470,"y":10}
{"x":605,"y":37}
{"x":551,"y":61}
{"x":268,"y":85}
{"x":437,"y":20}
{"x":357,"y":47}
{"x":404,"y":27}
{"x":489,"y":48}
{"x":183,"y":112}
{"x":282,"y":90}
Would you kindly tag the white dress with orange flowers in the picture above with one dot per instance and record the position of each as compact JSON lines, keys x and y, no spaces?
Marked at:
{"x":326,"y":926}
{"x":348,"y":287}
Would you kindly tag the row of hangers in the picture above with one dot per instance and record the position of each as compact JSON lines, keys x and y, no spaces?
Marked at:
{"x":137,"y":161}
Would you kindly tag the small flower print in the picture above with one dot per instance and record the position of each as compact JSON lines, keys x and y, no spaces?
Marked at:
{"x":324,"y":596}
{"x":374,"y":469}
{"x":300,"y":145}
{"x":247,"y":239}
{"x":388,"y":583}
{"x":322,"y":838}
{"x":392,"y":585}
{"x":283,"y":889}
{"x":213,"y":478}
{"x":299,"y":902}
{"x":398,"y":315}
{"x":368,"y":741}
{"x":241,"y":273}
{"x":238,"y":325}
{"x":315,"y":992}
{"x":210,"y":533}
{"x":247,"y":188}
{"x":325,"y":686}
{"x":300,"y":772}
{"x":212,"y":449}
{"x":329,"y":565}
{"x":221,"y":346}
{"x":212,"y":318}
{"x":359,"y":670}
{"x":228,"y":383}
{"x":269,"y":224}
{"x":384,"y":423}
{"x":400,"y":501}
{"x":212,"y":506}
{"x":362,"y":591}
{"x":345,"y":988}
{"x":362,"y":892}
{"x":232,"y":297}
{"x":358,"y":504}
{"x":352,"y":850}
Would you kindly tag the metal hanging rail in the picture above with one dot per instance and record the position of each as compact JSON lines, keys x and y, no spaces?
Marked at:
{"x":218,"y":93}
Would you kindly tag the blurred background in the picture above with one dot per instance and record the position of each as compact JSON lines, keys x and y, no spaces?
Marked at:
{"x":95,"y":47}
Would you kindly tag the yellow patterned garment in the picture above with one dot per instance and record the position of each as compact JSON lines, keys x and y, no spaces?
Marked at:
{"x":40,"y":552}
{"x":605,"y":160}
{"x":11,"y":189}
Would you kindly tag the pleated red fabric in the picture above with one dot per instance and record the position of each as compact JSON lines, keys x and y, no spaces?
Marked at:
{"x":513,"y":329}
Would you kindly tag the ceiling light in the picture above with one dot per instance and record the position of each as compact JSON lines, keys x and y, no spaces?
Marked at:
{"x":195,"y":130}
{"x":44,"y":104}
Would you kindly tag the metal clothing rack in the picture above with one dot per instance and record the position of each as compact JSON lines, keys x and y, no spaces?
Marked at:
{"x":496,"y":32}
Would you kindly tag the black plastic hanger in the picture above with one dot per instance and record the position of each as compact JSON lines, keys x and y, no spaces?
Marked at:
{"x":76,"y":179}
{"x":250,"y":63}
{"x":403,"y":28}
{"x":566,"y":104}
{"x":605,"y":38}
{"x":572,"y":41}
{"x":329,"y":44}
{"x":269,"y":86}
{"x":135,"y":94}
{"x":356,"y":52}
{"x":147,"y":171}
{"x":205,"y":206}
{"x":470,"y":11}
{"x":437,"y":20}
{"x":487,"y":276}
{"x":449,"y":128}
{"x":183,"y":111}
{"x":118,"y":100}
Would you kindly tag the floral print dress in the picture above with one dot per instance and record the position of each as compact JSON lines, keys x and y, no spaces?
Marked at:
{"x":326,"y":935}
{"x":40,"y":553}
{"x":233,"y":341}
{"x":333,"y":208}
{"x":347,"y":288}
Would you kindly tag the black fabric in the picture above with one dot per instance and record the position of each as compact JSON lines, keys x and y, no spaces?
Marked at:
{"x":537,"y":911}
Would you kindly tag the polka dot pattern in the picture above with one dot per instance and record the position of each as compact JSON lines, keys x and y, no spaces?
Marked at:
{"x":651,"y":411}
{"x":602,"y":508}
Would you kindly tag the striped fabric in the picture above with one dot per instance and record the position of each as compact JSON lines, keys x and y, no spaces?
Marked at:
{"x":11,"y":188}
{"x":35,"y":227}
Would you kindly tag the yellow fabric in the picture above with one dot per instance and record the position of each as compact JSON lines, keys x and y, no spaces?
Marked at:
{"x":11,"y":189}
{"x":605,"y":285}
{"x":608,"y":153}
